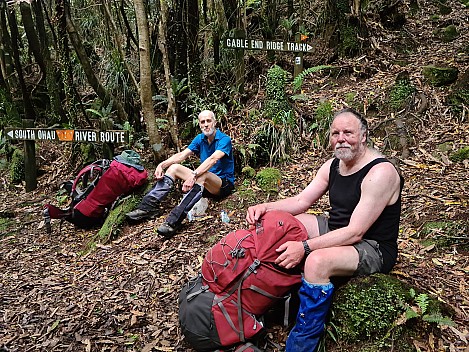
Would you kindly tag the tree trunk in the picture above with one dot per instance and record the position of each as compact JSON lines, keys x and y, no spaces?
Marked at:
{"x":28,"y":106}
{"x":93,"y":80}
{"x":171,"y":113}
{"x":5,"y":47}
{"x":51,"y":75}
{"x":193,"y":52}
{"x":145,"y":81}
{"x":31,"y":35}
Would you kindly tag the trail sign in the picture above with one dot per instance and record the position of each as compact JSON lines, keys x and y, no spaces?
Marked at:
{"x":259,"y":44}
{"x":62,"y":135}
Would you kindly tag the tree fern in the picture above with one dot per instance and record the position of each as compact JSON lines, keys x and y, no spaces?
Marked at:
{"x":298,"y":81}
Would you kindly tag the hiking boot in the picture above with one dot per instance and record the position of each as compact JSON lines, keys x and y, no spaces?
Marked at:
{"x":167,"y":230}
{"x":140,"y":214}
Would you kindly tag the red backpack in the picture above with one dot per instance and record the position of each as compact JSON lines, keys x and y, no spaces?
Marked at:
{"x":239,"y":282}
{"x":93,"y":192}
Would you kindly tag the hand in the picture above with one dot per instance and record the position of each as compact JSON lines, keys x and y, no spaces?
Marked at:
{"x":188,"y":184}
{"x":254,"y":213}
{"x":293,"y":253}
{"x":159,"y":172}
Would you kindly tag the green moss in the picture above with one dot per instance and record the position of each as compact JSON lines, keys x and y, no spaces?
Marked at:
{"x":400,"y":93}
{"x":372,"y":313}
{"x":350,"y":44}
{"x":269,"y":179}
{"x":358,"y":304}
{"x":449,"y":33}
{"x":276,"y":97}
{"x":446,"y":233}
{"x":458,"y":99}
{"x":460,"y":155}
{"x":320,"y":127}
{"x":440,"y":76}
{"x":248,"y":172}
{"x":4,"y":224}
{"x":17,"y":166}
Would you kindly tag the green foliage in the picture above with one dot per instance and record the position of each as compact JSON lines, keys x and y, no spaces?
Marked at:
{"x":248,"y":172}
{"x":373,"y":312}
{"x":9,"y":116}
{"x":248,"y":153}
{"x":458,"y":99}
{"x":460,"y":155}
{"x":17,"y":166}
{"x":446,"y":233}
{"x":424,"y":309}
{"x":102,"y":112}
{"x":349,"y":44}
{"x":276,"y":97}
{"x":359,"y":304}
{"x":322,"y":119}
{"x":280,"y":137}
{"x":298,"y":80}
{"x":269,"y":179}
{"x":400,"y":93}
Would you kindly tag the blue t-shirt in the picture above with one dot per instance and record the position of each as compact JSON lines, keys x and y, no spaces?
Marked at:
{"x":224,"y":168}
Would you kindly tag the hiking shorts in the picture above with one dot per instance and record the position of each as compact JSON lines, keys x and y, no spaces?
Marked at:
{"x":370,"y":258}
{"x":225,"y":190}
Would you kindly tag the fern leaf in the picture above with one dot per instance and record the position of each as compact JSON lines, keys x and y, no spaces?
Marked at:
{"x":298,"y":81}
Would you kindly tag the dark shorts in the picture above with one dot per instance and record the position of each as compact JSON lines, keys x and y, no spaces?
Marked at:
{"x":370,"y":258}
{"x":225,"y":190}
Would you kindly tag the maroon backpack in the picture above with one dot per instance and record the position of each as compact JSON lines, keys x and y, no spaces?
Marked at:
{"x":238,"y":283}
{"x":93,"y":192}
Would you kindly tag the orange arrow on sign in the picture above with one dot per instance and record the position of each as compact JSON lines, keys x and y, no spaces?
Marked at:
{"x":303,"y":37}
{"x":65,"y":135}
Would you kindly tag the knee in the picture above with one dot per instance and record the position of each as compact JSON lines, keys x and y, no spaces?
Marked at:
{"x":173,"y":170}
{"x":317,"y":266}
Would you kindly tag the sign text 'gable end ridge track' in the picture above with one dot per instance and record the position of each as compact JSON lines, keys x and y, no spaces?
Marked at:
{"x":259,"y":44}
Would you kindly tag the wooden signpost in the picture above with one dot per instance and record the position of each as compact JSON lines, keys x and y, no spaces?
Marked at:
{"x":30,"y":135}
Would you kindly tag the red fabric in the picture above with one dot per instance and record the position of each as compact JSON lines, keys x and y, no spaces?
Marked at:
{"x":221,"y":271}
{"x":118,"y":180}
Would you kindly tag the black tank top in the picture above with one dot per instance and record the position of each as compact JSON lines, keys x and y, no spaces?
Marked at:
{"x":344,"y":194}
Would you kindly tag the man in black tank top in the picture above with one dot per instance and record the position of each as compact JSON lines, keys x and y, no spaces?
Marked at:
{"x":360,"y":235}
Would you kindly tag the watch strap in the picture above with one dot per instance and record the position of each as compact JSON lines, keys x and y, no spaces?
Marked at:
{"x":306,"y":247}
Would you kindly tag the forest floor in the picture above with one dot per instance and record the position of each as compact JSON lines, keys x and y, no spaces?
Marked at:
{"x":123,"y":295}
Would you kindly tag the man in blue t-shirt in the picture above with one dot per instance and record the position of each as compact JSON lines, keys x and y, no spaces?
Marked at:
{"x":214,"y":177}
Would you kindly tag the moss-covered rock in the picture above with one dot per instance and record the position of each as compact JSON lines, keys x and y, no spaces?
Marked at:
{"x":440,"y":76}
{"x":460,"y":155}
{"x":17,"y":166}
{"x":447,"y":34}
{"x":444,"y":234}
{"x":372,"y":313}
{"x":248,"y":172}
{"x":269,"y":179}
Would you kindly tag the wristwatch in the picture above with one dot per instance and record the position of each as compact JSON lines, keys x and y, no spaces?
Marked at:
{"x":195,"y":173}
{"x":306,"y":247}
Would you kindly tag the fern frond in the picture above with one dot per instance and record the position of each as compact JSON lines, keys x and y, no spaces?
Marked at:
{"x":438,"y":318}
{"x":298,"y":81}
{"x":422,"y":301}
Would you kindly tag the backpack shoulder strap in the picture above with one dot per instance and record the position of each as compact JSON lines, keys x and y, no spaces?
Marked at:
{"x":100,"y":166}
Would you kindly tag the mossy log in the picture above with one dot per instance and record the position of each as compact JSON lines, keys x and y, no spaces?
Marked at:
{"x":381,"y":313}
{"x":115,"y":220}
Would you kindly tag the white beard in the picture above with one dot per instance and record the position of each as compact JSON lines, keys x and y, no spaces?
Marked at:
{"x":344,"y":154}
{"x":209,"y":133}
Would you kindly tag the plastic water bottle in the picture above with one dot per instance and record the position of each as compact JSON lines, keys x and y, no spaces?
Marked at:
{"x":224,"y":216}
{"x":198,"y":210}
